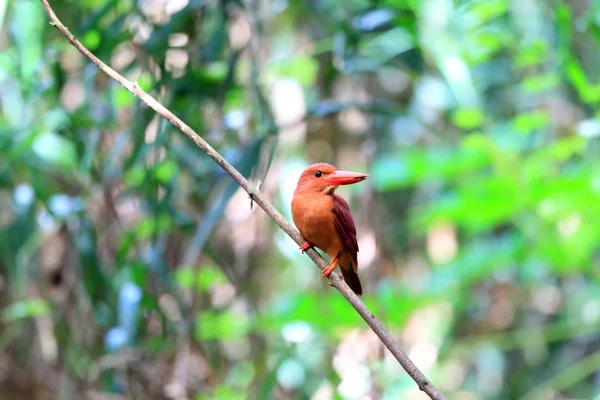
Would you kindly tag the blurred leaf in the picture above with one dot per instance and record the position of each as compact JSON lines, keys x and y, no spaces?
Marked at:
{"x":475,"y":13}
{"x":482,"y":44}
{"x":467,"y":118}
{"x":475,"y":264}
{"x":302,"y":69}
{"x":541,"y":83}
{"x":589,"y":92}
{"x":329,"y":312}
{"x":386,"y":46}
{"x":56,"y":149}
{"x":532,"y":54}
{"x":184,"y":276}
{"x":222,"y":392}
{"x":91,"y":39}
{"x":241,"y":375}
{"x":388,"y":298}
{"x":13,"y":104}
{"x":563,"y":149}
{"x":402,"y":4}
{"x":3,"y":7}
{"x":145,"y":81}
{"x":166,"y":170}
{"x":8,"y":63}
{"x":135,"y":176}
{"x":419,"y":165}
{"x":373,"y":19}
{"x":27,"y":28}
{"x":225,"y":325}
{"x":209,"y":276}
{"x":530,"y":121}
{"x":25,"y":309}
{"x":216,"y":71}
{"x":215,"y":30}
{"x":55,"y":119}
{"x":485,"y":202}
{"x":123,"y":98}
{"x":151,"y":225}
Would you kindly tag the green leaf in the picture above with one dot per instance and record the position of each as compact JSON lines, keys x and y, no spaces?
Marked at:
{"x":589,"y":92}
{"x":91,"y":39}
{"x":56,"y":149}
{"x":486,"y":10}
{"x":478,"y":206}
{"x":13,"y":103}
{"x":386,"y":46}
{"x":424,"y":165}
{"x":25,"y":309}
{"x":209,"y":276}
{"x":563,"y":149}
{"x":481,"y":44}
{"x":403,"y":4}
{"x":8,"y":63}
{"x":474,"y":263}
{"x":27,"y":29}
{"x":145,"y":81}
{"x":122,"y":97}
{"x":184,"y":276}
{"x":530,"y":121}
{"x":3,"y":7}
{"x":224,"y":392}
{"x":166,"y":170}
{"x":468,"y":118}
{"x":534,"y":54}
{"x":541,"y":83}
{"x":151,"y":225}
{"x":479,"y":12}
{"x":216,"y":71}
{"x":226,"y":325}
{"x":302,"y":69}
{"x":135,"y":176}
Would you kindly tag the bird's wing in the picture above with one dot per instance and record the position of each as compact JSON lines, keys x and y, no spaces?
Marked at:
{"x":344,"y":224}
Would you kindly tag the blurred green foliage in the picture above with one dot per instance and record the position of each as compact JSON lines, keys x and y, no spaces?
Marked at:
{"x":131,"y":264}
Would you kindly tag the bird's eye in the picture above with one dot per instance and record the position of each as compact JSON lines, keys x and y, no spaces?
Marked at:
{"x":318,"y":174}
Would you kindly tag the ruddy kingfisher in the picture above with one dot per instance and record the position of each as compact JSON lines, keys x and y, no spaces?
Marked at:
{"x":324,"y":219}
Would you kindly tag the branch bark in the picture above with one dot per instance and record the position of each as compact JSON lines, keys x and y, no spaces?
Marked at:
{"x":335,"y":279}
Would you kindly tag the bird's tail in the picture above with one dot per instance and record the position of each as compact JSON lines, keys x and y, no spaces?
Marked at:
{"x":352,"y":280}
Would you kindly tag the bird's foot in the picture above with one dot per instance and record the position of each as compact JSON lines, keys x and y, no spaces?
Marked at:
{"x":331,"y":267}
{"x":307,"y":245}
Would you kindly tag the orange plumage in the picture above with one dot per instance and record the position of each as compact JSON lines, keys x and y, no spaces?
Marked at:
{"x":324,"y":219}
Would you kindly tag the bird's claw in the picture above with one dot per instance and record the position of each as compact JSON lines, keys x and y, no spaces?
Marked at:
{"x":307,"y":245}
{"x":327,"y":272}
{"x":330,"y":267}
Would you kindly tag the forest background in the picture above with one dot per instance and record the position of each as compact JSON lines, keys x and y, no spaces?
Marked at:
{"x":132,"y":265}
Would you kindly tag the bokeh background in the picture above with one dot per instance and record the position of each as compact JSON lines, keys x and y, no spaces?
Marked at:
{"x":132,"y":267}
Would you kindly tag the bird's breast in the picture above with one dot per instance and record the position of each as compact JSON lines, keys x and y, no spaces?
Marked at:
{"x":313,"y":215}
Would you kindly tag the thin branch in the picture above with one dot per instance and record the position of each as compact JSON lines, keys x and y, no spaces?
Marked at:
{"x":335,"y":279}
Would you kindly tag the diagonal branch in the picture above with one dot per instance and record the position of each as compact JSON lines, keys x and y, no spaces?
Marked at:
{"x":335,"y":280}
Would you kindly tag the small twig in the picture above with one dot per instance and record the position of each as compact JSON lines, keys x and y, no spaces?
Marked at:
{"x":251,"y":196}
{"x":335,"y":279}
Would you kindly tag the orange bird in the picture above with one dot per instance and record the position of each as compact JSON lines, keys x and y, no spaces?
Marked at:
{"x":324,"y":220}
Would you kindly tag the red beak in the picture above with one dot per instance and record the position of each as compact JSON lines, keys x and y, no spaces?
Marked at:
{"x":344,"y":178}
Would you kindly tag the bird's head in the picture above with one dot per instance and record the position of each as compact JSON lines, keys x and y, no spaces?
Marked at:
{"x":325,"y":178}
